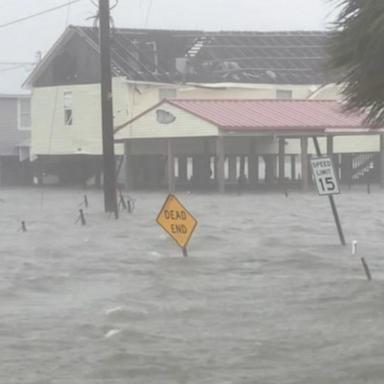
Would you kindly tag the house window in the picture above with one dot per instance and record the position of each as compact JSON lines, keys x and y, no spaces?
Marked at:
{"x":283,"y":94}
{"x":68,"y":114}
{"x":24,"y":114}
{"x":167,"y":93}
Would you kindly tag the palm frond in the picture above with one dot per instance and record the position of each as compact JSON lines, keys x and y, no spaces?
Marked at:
{"x":357,"y":52}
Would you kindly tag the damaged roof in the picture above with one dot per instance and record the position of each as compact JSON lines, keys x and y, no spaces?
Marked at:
{"x":170,"y":56}
{"x":196,"y":56}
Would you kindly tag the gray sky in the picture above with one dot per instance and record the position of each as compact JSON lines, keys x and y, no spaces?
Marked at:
{"x":21,"y":41}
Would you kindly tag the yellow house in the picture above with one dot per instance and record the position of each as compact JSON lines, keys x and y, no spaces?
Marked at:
{"x":150,"y":65}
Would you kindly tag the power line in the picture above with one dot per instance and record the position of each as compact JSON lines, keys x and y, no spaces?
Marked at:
{"x":14,"y":67}
{"x":16,"y":63}
{"x":148,"y":12}
{"x":53,"y":116}
{"x":39,"y":13}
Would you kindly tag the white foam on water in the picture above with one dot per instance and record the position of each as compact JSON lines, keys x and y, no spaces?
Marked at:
{"x":111,"y":333}
{"x":113,"y":310}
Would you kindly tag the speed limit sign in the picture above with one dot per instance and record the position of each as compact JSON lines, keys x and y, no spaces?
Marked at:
{"x":325,"y":177}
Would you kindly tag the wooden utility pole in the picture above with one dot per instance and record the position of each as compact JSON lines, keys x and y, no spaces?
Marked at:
{"x":110,"y":199}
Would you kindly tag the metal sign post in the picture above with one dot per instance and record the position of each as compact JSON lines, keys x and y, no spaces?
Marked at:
{"x":327,"y":184}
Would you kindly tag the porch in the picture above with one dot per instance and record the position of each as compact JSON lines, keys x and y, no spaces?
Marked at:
{"x":246,"y":145}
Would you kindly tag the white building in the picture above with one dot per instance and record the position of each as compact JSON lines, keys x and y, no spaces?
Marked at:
{"x":15,"y":124}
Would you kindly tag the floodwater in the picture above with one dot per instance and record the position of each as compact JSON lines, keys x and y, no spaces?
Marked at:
{"x":267,"y":294}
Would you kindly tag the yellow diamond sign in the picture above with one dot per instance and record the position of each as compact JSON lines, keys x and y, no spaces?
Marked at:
{"x":176,"y":221}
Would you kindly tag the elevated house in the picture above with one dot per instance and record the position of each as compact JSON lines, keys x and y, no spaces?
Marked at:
{"x":247,"y":144}
{"x":150,"y":65}
{"x":15,"y":125}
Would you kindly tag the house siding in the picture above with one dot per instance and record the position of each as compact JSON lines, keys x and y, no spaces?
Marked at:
{"x":256,"y":92}
{"x":129,"y":99}
{"x":50,"y":135}
{"x":185,"y":125}
{"x":342,"y":144}
{"x":142,"y":96}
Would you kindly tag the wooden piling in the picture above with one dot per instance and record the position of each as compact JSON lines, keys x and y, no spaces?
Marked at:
{"x":82,"y":217}
{"x":366,"y":269}
{"x":122,"y":201}
{"x":130,"y":206}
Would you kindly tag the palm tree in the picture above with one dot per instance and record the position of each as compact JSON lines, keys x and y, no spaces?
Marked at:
{"x":357,"y":51}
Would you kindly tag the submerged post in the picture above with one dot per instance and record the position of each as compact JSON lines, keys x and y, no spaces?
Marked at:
{"x":122,"y":200}
{"x":363,"y":262}
{"x":366,"y":269}
{"x":331,"y":200}
{"x":82,"y":217}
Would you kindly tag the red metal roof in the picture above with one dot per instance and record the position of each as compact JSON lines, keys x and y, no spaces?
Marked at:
{"x":272,"y":114}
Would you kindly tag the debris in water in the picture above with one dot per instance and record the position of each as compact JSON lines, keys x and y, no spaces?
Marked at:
{"x":354,"y":247}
